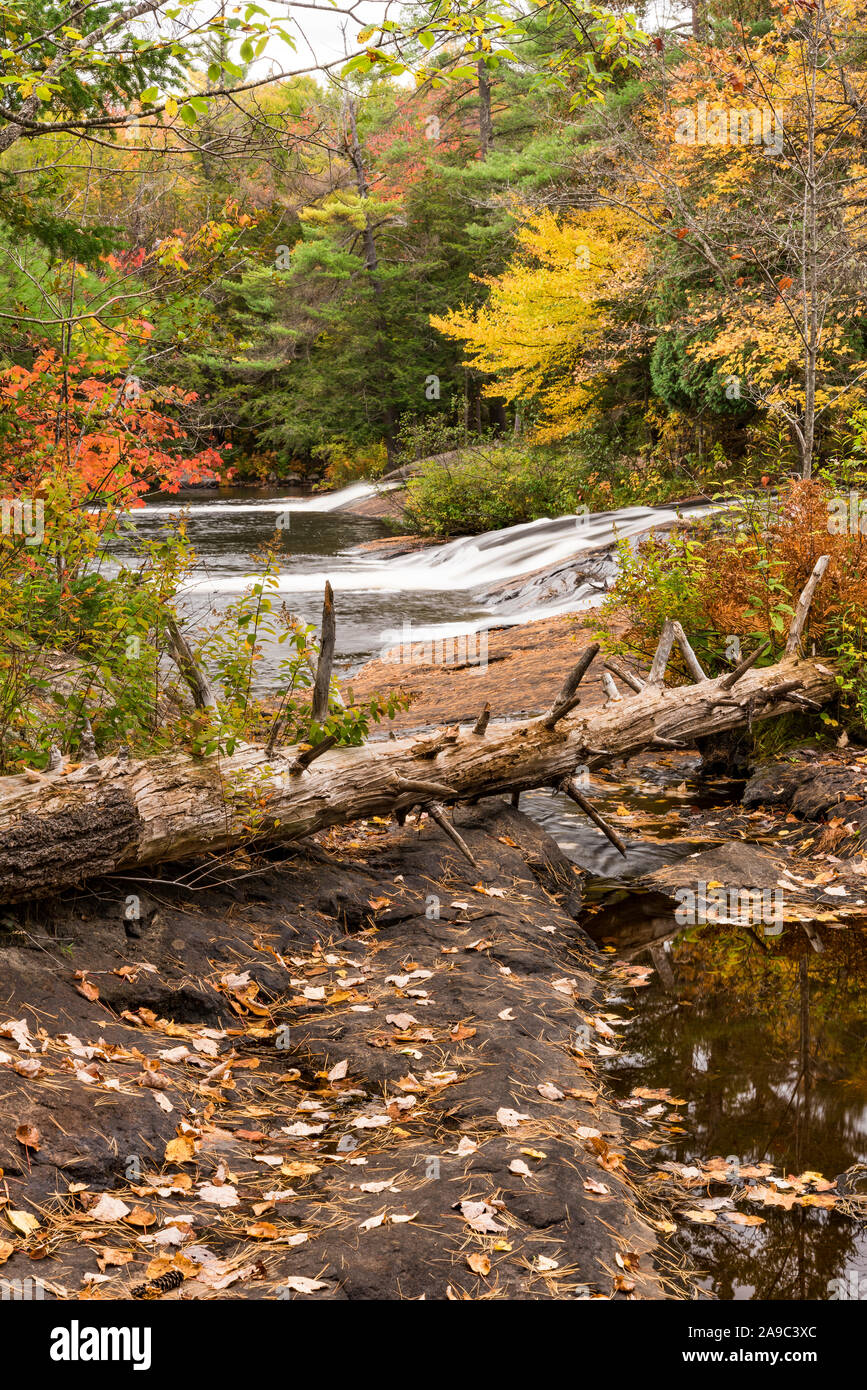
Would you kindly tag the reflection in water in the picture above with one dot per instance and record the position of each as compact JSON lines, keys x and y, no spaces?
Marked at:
{"x":765,"y":1038}
{"x":766,"y":1041}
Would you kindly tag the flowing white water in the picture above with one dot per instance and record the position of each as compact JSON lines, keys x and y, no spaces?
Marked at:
{"x":463,"y":587}
{"x":321,"y":502}
{"x":477,"y":562}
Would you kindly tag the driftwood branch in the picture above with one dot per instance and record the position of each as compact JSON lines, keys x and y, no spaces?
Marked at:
{"x":589,"y":809}
{"x":310,"y":752}
{"x":656,"y":675}
{"x":567,"y":700}
{"x":689,"y":656}
{"x":673,"y":632}
{"x":204,"y":696}
{"x":321,"y":685}
{"x":728,"y":681}
{"x":483,"y":720}
{"x":610,"y":688}
{"x":437,"y":813}
{"x":327,"y":639}
{"x":623,"y":673}
{"x":802,"y":608}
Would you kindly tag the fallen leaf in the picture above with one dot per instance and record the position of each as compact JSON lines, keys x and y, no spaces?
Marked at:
{"x":108,"y":1209}
{"x":181,"y":1150}
{"x":372,"y":1222}
{"x":140,"y":1216}
{"x":550,"y":1091}
{"x":510,"y":1119}
{"x":222,"y":1196}
{"x":28,"y":1136}
{"x":23,"y":1221}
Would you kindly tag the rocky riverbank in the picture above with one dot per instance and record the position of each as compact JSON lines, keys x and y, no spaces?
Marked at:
{"x":360,"y":1070}
{"x":517,"y":670}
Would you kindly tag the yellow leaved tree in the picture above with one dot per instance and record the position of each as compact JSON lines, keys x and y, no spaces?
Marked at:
{"x":556,"y":323}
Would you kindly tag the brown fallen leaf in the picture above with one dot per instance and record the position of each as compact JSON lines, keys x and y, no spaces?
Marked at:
{"x":140,"y":1216}
{"x":460,"y":1033}
{"x":109,"y":1257}
{"x":262,"y":1230}
{"x":28,"y":1136}
{"x":85,"y":987}
{"x":479,"y":1264}
{"x":299,"y":1169}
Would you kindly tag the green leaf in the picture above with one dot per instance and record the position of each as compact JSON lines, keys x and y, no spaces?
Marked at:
{"x":149,"y":94}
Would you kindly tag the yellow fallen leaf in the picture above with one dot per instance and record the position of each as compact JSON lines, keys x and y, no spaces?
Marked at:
{"x":23,"y":1222}
{"x":181,"y":1150}
{"x":299,"y":1169}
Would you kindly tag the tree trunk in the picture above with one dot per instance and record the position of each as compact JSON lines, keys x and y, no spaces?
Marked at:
{"x":810,"y":266}
{"x":119,"y":815}
{"x":486,"y":124}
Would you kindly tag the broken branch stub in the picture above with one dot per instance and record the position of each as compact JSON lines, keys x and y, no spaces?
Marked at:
{"x":567,"y":699}
{"x":802,"y":607}
{"x":327,"y":639}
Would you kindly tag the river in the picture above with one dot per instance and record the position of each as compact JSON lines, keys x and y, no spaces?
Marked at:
{"x":514,"y":575}
{"x":765,"y":1051}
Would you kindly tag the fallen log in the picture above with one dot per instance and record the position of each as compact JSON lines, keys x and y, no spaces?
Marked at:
{"x":121,"y":814}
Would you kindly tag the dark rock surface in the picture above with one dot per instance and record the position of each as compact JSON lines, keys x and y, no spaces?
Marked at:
{"x":210,"y":1011}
